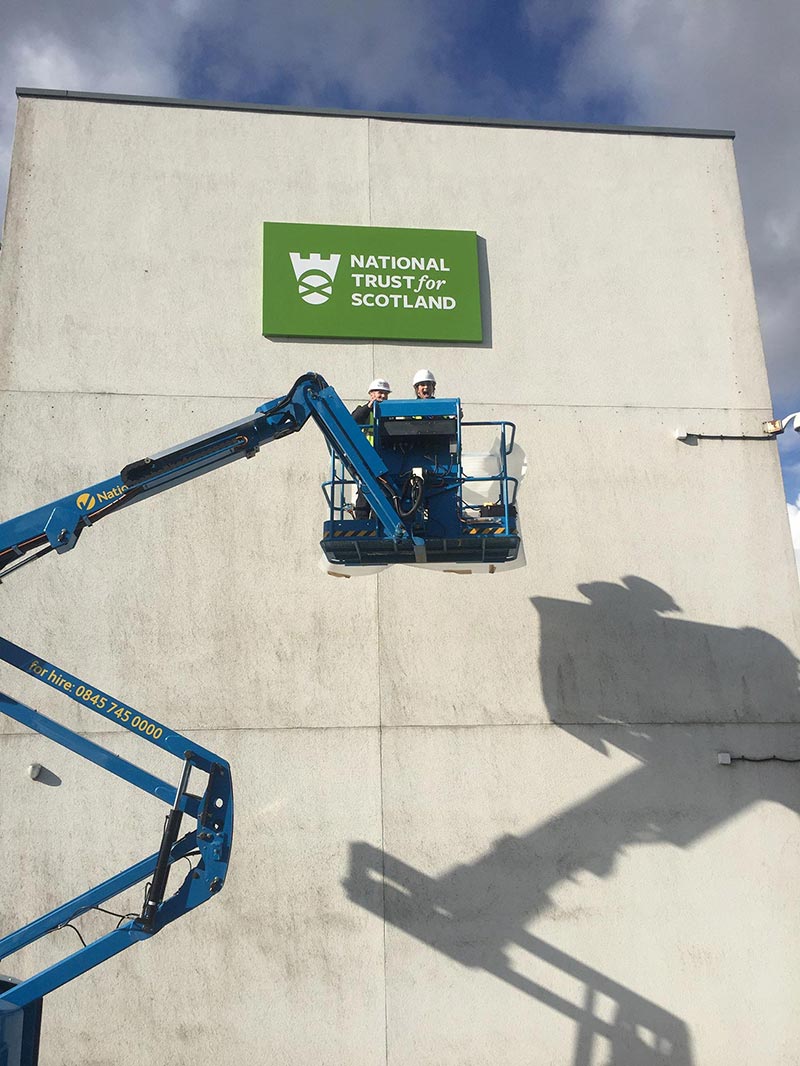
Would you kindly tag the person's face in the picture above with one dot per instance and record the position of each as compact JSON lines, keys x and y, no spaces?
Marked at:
{"x":377,"y":394}
{"x":425,"y":390}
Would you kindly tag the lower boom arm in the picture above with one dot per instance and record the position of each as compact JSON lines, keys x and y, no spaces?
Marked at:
{"x":206,"y":845}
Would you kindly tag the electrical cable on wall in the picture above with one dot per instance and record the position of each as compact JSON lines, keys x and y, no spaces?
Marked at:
{"x":724,"y":758}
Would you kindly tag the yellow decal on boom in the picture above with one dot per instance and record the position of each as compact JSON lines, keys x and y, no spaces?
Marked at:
{"x":85,"y":502}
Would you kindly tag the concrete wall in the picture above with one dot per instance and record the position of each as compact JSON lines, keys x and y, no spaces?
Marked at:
{"x":479,"y":819}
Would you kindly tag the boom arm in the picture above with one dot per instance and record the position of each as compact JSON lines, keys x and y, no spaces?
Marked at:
{"x":57,"y":526}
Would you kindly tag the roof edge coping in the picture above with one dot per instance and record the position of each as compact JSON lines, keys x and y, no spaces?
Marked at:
{"x":386,"y":116}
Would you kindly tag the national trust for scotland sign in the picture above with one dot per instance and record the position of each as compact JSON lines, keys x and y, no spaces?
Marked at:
{"x":372,"y":282}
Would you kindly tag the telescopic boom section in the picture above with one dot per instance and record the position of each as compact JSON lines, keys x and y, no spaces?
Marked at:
{"x":57,"y":526}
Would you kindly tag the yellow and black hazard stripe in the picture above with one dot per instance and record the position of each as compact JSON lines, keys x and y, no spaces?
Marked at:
{"x":355,"y":533}
{"x":486,"y":529}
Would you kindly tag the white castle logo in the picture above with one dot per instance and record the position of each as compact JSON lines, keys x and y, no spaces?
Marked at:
{"x":314,"y":276}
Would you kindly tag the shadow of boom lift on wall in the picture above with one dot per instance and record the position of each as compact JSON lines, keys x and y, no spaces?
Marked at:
{"x":471,"y":927}
{"x":609,"y":669}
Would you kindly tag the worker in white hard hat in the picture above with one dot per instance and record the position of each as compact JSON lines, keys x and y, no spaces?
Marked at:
{"x":424,"y":385}
{"x":364,"y":415}
{"x":378,"y":390}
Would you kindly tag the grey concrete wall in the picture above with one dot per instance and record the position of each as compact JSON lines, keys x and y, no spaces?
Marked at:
{"x":479,"y":819}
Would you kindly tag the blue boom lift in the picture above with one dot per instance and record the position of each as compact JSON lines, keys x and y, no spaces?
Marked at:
{"x":407,"y":464}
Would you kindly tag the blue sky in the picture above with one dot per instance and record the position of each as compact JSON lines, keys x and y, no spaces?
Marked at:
{"x":726,"y":64}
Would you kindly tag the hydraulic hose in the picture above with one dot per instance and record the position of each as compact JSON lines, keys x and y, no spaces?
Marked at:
{"x":413,"y":488}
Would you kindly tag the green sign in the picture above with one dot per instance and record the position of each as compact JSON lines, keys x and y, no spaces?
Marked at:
{"x":366,"y":281}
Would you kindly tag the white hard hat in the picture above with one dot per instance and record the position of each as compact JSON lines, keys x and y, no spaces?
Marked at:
{"x":423,"y":375}
{"x":380,"y":384}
